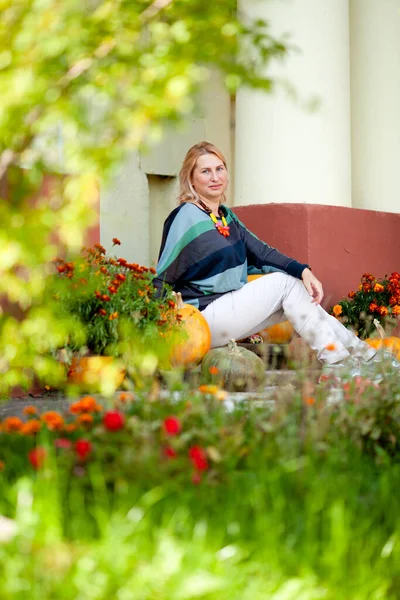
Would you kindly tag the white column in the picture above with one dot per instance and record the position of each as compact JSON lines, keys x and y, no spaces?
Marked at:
{"x":286,"y":152}
{"x":375,"y":103}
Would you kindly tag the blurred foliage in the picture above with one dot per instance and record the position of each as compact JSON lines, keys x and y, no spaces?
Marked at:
{"x":108,"y":75}
{"x":174,"y":496}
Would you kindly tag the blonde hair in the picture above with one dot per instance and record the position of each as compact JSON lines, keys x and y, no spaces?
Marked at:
{"x":187,"y":193}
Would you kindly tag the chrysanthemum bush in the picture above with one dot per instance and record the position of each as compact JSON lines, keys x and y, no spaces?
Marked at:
{"x":102,"y":292}
{"x":374,"y":299}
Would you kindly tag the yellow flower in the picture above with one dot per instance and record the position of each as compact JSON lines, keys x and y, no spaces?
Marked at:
{"x":378,"y":287}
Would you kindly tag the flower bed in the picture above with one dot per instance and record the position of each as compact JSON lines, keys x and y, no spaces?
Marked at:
{"x":160,"y":496}
{"x":374,"y":298}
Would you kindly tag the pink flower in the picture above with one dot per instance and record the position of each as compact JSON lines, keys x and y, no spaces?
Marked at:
{"x":83,"y":448}
{"x":113,"y":420}
{"x":63,"y":443}
{"x":198,"y":456}
{"x":196,"y":478}
{"x":37,"y":457}
{"x":172,"y":426}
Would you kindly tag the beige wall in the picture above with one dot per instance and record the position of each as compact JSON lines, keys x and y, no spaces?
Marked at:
{"x":142,"y":194}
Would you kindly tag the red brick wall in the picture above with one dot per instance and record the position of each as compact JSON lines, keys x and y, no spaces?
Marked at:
{"x":339,"y":243}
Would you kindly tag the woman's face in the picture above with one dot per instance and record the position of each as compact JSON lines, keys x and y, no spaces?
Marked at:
{"x":210,"y":177}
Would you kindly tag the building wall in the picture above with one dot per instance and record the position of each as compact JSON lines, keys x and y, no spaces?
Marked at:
{"x":329,"y":135}
{"x":145,"y":189}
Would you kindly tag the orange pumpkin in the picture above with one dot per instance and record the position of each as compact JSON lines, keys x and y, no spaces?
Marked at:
{"x":391,"y":343}
{"x":281,"y":333}
{"x":195,"y":341}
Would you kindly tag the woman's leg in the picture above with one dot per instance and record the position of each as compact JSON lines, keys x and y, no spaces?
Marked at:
{"x":265,"y":301}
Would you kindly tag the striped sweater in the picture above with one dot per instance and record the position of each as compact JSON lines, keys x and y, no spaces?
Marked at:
{"x":196,"y":260}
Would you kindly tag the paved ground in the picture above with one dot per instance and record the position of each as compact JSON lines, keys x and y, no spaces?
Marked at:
{"x":281,"y":379}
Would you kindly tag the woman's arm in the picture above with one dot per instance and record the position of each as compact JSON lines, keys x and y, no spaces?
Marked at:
{"x":260,"y":254}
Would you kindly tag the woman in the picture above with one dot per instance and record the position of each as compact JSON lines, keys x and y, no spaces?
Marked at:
{"x":206,"y":253}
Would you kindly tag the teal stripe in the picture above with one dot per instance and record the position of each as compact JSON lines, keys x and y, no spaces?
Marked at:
{"x":188,"y":214}
{"x":229,"y":280}
{"x":186,"y":238}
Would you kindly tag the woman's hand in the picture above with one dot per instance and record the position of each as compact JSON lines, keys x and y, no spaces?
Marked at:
{"x":313,"y":286}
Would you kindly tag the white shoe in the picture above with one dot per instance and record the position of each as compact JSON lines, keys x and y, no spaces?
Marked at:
{"x":384,"y":361}
{"x":348,"y":368}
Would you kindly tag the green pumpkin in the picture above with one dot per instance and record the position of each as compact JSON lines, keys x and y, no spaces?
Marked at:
{"x":240,"y":369}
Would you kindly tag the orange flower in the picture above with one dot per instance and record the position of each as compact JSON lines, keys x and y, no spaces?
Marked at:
{"x":31,"y":427}
{"x":116,"y":242}
{"x":213,"y":370}
{"x":12,"y":424}
{"x":120,"y":277}
{"x":378,"y":287}
{"x":351,"y":294}
{"x":70,"y":427}
{"x":53,"y":420}
{"x":113,"y":316}
{"x":373,"y":307}
{"x":330,"y":347}
{"x":85,"y":420}
{"x":102,"y":311}
{"x":337,"y":310}
{"x":396,"y":310}
{"x":209,"y":389}
{"x":383,"y":311}
{"x":30,"y":410}
{"x":126,"y":397}
{"x":2,"y":465}
{"x":86,"y":404}
{"x":309,"y":400}
{"x":105,"y":298}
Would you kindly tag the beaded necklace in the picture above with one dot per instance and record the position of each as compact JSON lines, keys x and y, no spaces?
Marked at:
{"x":221,"y":226}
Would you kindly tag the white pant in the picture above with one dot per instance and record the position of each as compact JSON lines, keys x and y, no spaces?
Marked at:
{"x":278,"y":297}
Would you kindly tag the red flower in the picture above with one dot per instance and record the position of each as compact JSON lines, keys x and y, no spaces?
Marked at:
{"x":102,"y":312}
{"x":37,"y":457}
{"x":120,"y":277}
{"x":116,"y":242}
{"x":122,"y":261}
{"x":198,"y":456}
{"x":62,"y":443}
{"x":113,"y":420}
{"x":170,"y":452}
{"x":105,"y":298}
{"x":112,"y":289}
{"x":172,"y":426}
{"x":83,"y":448}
